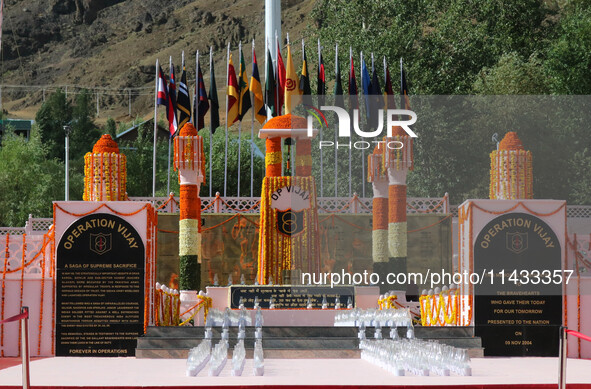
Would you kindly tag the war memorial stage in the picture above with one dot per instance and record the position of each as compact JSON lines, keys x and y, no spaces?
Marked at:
{"x":129,"y":372}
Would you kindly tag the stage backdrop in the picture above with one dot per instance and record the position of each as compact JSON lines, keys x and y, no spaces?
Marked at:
{"x":229,"y":245}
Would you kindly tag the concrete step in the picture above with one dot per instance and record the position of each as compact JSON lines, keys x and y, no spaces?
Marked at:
{"x":294,"y":342}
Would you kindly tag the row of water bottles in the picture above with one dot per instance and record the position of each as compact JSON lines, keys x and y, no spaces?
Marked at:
{"x":200,"y":356}
{"x":217,"y":357}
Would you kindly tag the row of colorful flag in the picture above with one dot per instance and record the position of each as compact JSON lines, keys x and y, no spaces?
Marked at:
{"x":283,"y":89}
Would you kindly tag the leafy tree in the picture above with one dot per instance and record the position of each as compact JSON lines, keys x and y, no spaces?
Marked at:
{"x":513,"y":76}
{"x":55,"y":112}
{"x":139,"y":153}
{"x":111,"y":127}
{"x":581,"y":180}
{"x":444,"y":43}
{"x":29,"y":179}
{"x":217,"y":179}
{"x":569,"y":55}
{"x":84,"y":132}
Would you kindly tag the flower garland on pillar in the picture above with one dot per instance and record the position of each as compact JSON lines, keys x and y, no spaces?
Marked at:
{"x":398,"y":162}
{"x":511,"y":172}
{"x":284,"y":249}
{"x":376,"y":174}
{"x":188,"y":160}
{"x":105,"y":172}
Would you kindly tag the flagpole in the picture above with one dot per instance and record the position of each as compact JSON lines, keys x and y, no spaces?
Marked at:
{"x":402,"y":105}
{"x":352,"y":108}
{"x":252,"y":135}
{"x":155,"y":132}
{"x":226,"y":148}
{"x":195,"y":116}
{"x":336,"y":149}
{"x":169,"y":137}
{"x":278,"y":108}
{"x":320,"y":135}
{"x":211,"y":129}
{"x":239,"y":113}
{"x":385,"y":79}
{"x":363,"y":150}
{"x":267,"y":110}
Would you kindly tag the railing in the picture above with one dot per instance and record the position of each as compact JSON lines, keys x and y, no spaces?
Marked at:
{"x":355,"y":204}
{"x":218,"y":204}
{"x":578,"y":211}
{"x":23,"y":318}
{"x":12,"y":231}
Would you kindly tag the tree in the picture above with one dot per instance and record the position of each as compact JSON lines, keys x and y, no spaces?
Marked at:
{"x":139,"y":153}
{"x":513,"y":76}
{"x":84,"y":133}
{"x":55,"y":112}
{"x":444,"y":43}
{"x":29,"y":179}
{"x":217,"y":179}
{"x":569,"y":55}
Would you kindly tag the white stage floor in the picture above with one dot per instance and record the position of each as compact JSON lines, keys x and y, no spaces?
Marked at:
{"x":132,"y":372}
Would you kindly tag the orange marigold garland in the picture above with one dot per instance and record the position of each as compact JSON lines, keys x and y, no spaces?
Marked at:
{"x":105,"y":176}
{"x":6,"y":256}
{"x":511,"y":170}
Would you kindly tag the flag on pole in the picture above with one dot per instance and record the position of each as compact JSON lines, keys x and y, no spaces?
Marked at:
{"x":321,"y":77}
{"x":214,"y":112}
{"x":305,"y":77}
{"x":375,"y":88}
{"x":388,"y":90}
{"x":292,"y":92}
{"x":270,"y":96}
{"x":244,"y":99}
{"x":280,"y":84}
{"x":183,"y":100}
{"x":162,"y":93}
{"x":257,"y":91}
{"x":375,"y":92}
{"x":365,"y":86}
{"x":404,"y":101}
{"x":163,"y":98}
{"x":338,"y":86}
{"x":201,"y":105}
{"x":172,"y":89}
{"x":353,"y":102}
{"x":233,"y":94}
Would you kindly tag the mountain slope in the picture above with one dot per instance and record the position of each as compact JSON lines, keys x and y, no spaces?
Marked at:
{"x":111,"y":46}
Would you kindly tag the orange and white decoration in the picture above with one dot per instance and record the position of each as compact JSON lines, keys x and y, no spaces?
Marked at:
{"x":105,"y":174}
{"x":511,"y":174}
{"x":289,"y":216}
{"x":379,"y":179}
{"x":189,"y":161}
{"x":398,"y":161}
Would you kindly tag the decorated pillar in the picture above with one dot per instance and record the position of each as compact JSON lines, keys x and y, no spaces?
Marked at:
{"x":511,"y":176}
{"x":288,"y":237}
{"x":376,"y":173}
{"x":190,"y":163}
{"x":398,"y":160}
{"x":105,"y":174}
{"x":304,"y":157}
